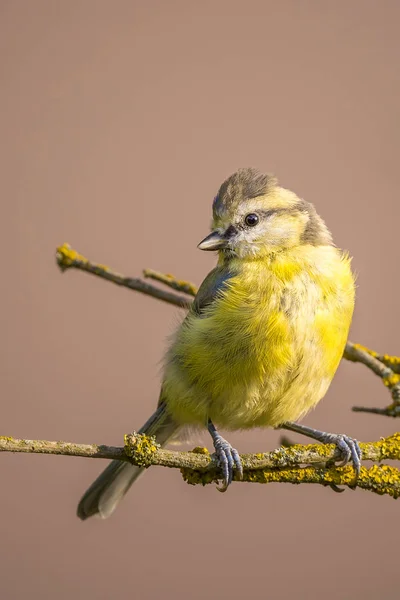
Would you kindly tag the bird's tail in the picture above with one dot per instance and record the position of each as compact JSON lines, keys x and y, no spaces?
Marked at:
{"x":112,"y":484}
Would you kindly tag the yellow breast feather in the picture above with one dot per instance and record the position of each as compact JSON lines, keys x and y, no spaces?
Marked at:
{"x":265,"y":350}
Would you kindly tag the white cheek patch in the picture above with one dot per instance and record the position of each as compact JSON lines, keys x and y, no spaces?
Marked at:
{"x":268,"y":233}
{"x":277,"y":235}
{"x":247,"y":241}
{"x":267,"y":230}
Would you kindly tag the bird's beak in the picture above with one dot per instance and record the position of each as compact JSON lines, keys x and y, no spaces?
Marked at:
{"x":214,"y":241}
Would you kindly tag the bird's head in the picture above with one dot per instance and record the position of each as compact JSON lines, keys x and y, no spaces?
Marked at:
{"x":254,"y":217}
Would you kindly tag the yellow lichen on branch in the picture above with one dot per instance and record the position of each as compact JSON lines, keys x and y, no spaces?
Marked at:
{"x":66,"y":257}
{"x":296,"y":464}
{"x":393,"y":362}
{"x":391,"y":380}
{"x":380,"y":479}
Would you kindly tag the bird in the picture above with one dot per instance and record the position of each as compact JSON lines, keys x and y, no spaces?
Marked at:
{"x":263,"y":338}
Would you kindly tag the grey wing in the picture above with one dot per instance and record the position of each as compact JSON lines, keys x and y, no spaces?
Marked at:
{"x":211,"y":288}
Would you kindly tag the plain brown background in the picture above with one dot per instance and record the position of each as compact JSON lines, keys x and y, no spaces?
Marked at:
{"x":119,"y":120}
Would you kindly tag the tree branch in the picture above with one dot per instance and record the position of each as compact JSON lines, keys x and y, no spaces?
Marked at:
{"x":296,"y":464}
{"x":380,"y":479}
{"x":10,"y":444}
{"x":391,"y":380}
{"x":170,"y":281}
{"x":393,"y":410}
{"x":385,"y":366}
{"x":67,"y":258}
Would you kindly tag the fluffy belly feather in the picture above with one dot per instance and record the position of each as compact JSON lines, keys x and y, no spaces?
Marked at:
{"x":263,"y":353}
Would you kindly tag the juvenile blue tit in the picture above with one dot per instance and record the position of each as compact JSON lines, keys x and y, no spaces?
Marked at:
{"x":263,"y":339}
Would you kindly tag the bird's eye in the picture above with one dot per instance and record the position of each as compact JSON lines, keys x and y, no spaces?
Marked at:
{"x":251,"y":220}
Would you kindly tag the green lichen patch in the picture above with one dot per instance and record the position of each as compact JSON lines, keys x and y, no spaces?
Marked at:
{"x":380,"y":479}
{"x":390,"y":447}
{"x":193,"y":477}
{"x":292,"y":455}
{"x":140,"y":448}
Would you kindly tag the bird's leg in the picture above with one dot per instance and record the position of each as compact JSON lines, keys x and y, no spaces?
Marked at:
{"x":347,"y":446}
{"x":227,"y":457}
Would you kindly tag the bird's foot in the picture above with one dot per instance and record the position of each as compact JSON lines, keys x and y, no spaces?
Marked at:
{"x":348,"y":447}
{"x":227,"y":457}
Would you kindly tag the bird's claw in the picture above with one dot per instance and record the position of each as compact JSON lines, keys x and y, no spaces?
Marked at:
{"x":349,"y":449}
{"x":228,"y":458}
{"x":336,"y":488}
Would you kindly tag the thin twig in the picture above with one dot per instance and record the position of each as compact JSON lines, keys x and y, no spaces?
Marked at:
{"x":198,"y":466}
{"x":390,"y":379}
{"x":393,"y":410}
{"x":393,"y":362}
{"x":67,"y":258}
{"x":356,"y":353}
{"x":169,"y":280}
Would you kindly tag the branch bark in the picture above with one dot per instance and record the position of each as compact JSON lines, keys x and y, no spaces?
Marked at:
{"x":67,"y":258}
{"x":294,"y":464}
